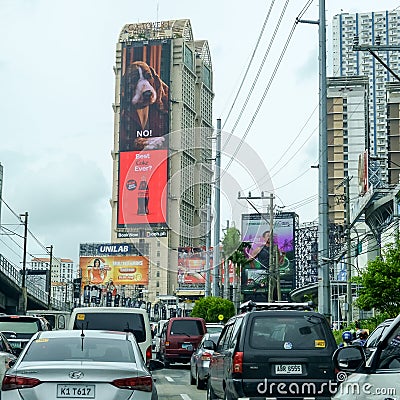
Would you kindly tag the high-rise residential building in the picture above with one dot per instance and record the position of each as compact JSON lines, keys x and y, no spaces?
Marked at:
{"x":162,"y":168}
{"x":347,"y":127}
{"x":369,"y":28}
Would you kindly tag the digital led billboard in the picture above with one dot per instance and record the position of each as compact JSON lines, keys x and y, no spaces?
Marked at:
{"x":255,"y":275}
{"x":142,"y":187}
{"x":143,"y":133}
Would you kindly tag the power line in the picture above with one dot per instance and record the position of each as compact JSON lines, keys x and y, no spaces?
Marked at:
{"x":248,"y":68}
{"x":257,"y":75}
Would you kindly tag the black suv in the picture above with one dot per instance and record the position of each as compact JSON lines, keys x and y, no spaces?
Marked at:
{"x":273,"y":350}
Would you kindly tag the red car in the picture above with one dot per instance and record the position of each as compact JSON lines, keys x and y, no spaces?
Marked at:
{"x":180,"y":338}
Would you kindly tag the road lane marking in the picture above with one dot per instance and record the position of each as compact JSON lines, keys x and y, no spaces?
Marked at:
{"x":169,"y":379}
{"x":185,"y":397}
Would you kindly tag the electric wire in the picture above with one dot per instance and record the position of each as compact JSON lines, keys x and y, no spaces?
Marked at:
{"x":248,"y":68}
{"x":258,"y":73}
{"x":285,"y":47}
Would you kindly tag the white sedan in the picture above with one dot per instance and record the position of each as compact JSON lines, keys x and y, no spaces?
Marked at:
{"x":90,"y":364}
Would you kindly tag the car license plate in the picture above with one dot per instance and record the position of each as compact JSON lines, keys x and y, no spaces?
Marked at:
{"x":76,"y":391}
{"x":288,"y":369}
{"x":187,"y":346}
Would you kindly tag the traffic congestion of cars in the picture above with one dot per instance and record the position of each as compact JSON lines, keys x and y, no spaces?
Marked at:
{"x":266,"y":351}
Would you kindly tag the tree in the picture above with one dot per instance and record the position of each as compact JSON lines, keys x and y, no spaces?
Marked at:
{"x":380,"y":282}
{"x":210,"y":308}
{"x":234,"y":251}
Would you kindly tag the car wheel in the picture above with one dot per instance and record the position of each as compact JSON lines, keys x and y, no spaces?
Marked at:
{"x":210,"y":392}
{"x":192,"y":380}
{"x":200,"y":383}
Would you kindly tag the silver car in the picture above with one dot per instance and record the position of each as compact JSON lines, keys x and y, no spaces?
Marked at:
{"x":74,"y":364}
{"x":200,"y":360}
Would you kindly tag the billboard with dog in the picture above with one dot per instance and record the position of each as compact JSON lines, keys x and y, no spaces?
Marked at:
{"x":143,"y":133}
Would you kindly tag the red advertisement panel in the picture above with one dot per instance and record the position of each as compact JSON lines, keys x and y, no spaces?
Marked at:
{"x":142,"y":187}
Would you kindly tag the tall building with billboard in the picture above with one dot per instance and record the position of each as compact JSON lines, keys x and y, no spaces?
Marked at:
{"x":370,"y":28}
{"x":162,"y":169}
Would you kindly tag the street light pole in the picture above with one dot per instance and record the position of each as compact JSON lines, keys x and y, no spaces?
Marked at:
{"x":50,"y":248}
{"x":24,"y":300}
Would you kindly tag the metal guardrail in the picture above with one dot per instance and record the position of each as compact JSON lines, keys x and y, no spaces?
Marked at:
{"x":14,"y":275}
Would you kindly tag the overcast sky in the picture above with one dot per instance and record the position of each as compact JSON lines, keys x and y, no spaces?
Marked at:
{"x":56,"y":117}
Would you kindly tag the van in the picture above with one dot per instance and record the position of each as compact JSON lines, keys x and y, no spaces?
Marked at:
{"x":57,"y":319}
{"x":179,"y":339}
{"x":135,"y":320}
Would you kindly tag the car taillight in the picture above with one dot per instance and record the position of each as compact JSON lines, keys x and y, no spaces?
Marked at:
{"x":143,"y":383}
{"x":149,"y":355}
{"x":12,"y":382}
{"x":238,"y":362}
{"x":166,"y":344}
{"x":206,"y":356}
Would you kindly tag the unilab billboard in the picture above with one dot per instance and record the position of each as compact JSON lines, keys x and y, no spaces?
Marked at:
{"x":143,"y":133}
{"x":119,"y":270}
{"x":254,"y":227}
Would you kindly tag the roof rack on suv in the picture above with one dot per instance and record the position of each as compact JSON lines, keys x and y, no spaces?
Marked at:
{"x":253,"y":305}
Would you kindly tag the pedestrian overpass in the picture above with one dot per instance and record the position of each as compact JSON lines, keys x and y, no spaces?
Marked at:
{"x":11,"y":292}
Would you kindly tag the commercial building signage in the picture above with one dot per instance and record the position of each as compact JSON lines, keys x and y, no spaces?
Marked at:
{"x":107,"y":249}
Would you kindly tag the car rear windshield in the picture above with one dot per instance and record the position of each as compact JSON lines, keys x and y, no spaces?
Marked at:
{"x":126,"y":322}
{"x":187,"y":327}
{"x":273,"y":332}
{"x":20,"y":325}
{"x":76,"y":349}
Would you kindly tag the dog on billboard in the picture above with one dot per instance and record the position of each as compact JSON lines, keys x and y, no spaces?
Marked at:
{"x":144,"y":108}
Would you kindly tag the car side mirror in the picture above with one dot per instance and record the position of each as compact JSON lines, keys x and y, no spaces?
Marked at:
{"x":209,"y":345}
{"x":349,"y":359}
{"x":155,"y":365}
{"x":11,"y":363}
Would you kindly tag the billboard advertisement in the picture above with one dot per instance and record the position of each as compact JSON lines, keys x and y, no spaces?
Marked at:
{"x":142,"y":187}
{"x":255,"y":228}
{"x":143,"y":129}
{"x":118,"y":270}
{"x":192,"y":266}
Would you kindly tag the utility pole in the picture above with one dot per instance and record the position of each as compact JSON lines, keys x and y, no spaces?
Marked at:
{"x":24,"y":299}
{"x":50,"y":248}
{"x":349,"y":260}
{"x":271,"y":283}
{"x":226,"y":276}
{"x":324,"y":287}
{"x":208,"y":246}
{"x":216,"y":258}
{"x":324,"y":284}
